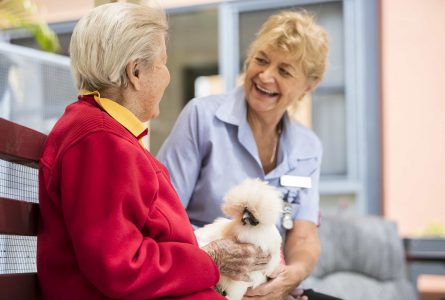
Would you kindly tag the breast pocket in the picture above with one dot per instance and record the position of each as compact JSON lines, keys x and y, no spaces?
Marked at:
{"x":304,"y":166}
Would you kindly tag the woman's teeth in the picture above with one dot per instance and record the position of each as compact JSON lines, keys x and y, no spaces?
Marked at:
{"x":269,"y":93}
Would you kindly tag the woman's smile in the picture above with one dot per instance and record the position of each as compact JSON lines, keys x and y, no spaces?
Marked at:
{"x":265,"y":91}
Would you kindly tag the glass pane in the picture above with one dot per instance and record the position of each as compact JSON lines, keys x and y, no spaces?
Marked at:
{"x":35,"y":87}
{"x":192,"y":50}
{"x":338,"y":204}
{"x":328,"y":101}
{"x":329,"y":122}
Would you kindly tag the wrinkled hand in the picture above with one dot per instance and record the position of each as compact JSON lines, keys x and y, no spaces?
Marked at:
{"x":236,"y":260}
{"x":281,"y":286}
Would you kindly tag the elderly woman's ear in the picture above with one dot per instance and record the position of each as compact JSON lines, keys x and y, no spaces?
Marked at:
{"x":133,"y":70}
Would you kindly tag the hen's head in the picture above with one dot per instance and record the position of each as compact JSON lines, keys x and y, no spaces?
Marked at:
{"x":253,"y":202}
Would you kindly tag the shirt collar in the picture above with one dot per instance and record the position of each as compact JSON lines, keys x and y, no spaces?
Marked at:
{"x":121,"y":114}
{"x":233,"y":110}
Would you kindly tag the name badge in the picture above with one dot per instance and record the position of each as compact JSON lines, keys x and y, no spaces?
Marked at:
{"x":296,"y":181}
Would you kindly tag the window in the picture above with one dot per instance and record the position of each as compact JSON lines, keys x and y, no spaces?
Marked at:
{"x":192,"y":50}
{"x":206,"y":41}
{"x":344,"y":106}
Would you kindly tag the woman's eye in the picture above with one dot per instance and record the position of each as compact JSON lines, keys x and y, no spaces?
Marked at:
{"x":260,"y":61}
{"x":284,"y":72}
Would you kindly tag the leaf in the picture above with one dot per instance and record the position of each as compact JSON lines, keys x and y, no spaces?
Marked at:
{"x":25,"y":14}
{"x":45,"y":37}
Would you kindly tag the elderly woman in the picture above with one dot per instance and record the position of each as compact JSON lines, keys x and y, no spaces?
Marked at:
{"x":112,"y":226}
{"x":220,"y":140}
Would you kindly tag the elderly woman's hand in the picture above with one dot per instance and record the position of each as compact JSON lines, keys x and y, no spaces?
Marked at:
{"x":236,"y":260}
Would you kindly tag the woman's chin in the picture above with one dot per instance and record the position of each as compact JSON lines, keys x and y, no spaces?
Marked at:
{"x":261,"y":106}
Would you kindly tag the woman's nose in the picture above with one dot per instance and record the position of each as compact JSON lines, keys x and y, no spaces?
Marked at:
{"x":266,"y":75}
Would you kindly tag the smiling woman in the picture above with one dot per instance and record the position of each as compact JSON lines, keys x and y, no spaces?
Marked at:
{"x":250,"y":128}
{"x":273,"y":82}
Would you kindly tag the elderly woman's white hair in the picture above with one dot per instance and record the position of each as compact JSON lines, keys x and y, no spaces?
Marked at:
{"x":110,"y":36}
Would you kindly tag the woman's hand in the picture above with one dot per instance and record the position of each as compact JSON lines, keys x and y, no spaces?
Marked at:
{"x":296,"y":294}
{"x":281,"y":286}
{"x":236,"y":260}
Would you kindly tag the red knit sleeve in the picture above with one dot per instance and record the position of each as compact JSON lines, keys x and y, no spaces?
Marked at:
{"x":108,"y":190}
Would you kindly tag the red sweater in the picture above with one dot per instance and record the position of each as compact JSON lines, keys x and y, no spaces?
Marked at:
{"x":112,"y":225}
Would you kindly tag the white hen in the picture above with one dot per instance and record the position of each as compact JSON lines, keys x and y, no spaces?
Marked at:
{"x":254,"y":207}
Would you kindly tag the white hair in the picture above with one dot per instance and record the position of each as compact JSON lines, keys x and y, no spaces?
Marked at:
{"x":110,"y":36}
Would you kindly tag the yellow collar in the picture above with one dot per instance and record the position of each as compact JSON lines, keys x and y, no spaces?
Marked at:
{"x":121,"y":114}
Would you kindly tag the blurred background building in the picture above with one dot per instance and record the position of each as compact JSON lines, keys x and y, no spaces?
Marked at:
{"x":380,"y":111}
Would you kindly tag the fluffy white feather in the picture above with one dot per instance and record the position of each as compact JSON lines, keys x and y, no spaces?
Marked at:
{"x":253,"y":207}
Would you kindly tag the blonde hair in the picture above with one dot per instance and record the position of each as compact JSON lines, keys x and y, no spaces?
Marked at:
{"x":297,"y":33}
{"x":110,"y":36}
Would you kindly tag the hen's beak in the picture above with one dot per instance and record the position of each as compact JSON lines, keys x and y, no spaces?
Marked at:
{"x":248,"y":217}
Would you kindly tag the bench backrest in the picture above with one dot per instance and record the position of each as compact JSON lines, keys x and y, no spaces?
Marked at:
{"x":20,"y":150}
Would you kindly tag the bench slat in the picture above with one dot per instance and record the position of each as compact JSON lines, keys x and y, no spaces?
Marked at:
{"x":20,"y":286}
{"x":20,"y":144}
{"x":18,"y":217}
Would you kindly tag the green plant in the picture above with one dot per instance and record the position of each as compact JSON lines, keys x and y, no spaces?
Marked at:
{"x":434,"y":229}
{"x":25,"y":14}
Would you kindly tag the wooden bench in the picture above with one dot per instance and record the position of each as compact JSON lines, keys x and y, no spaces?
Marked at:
{"x":20,"y":150}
